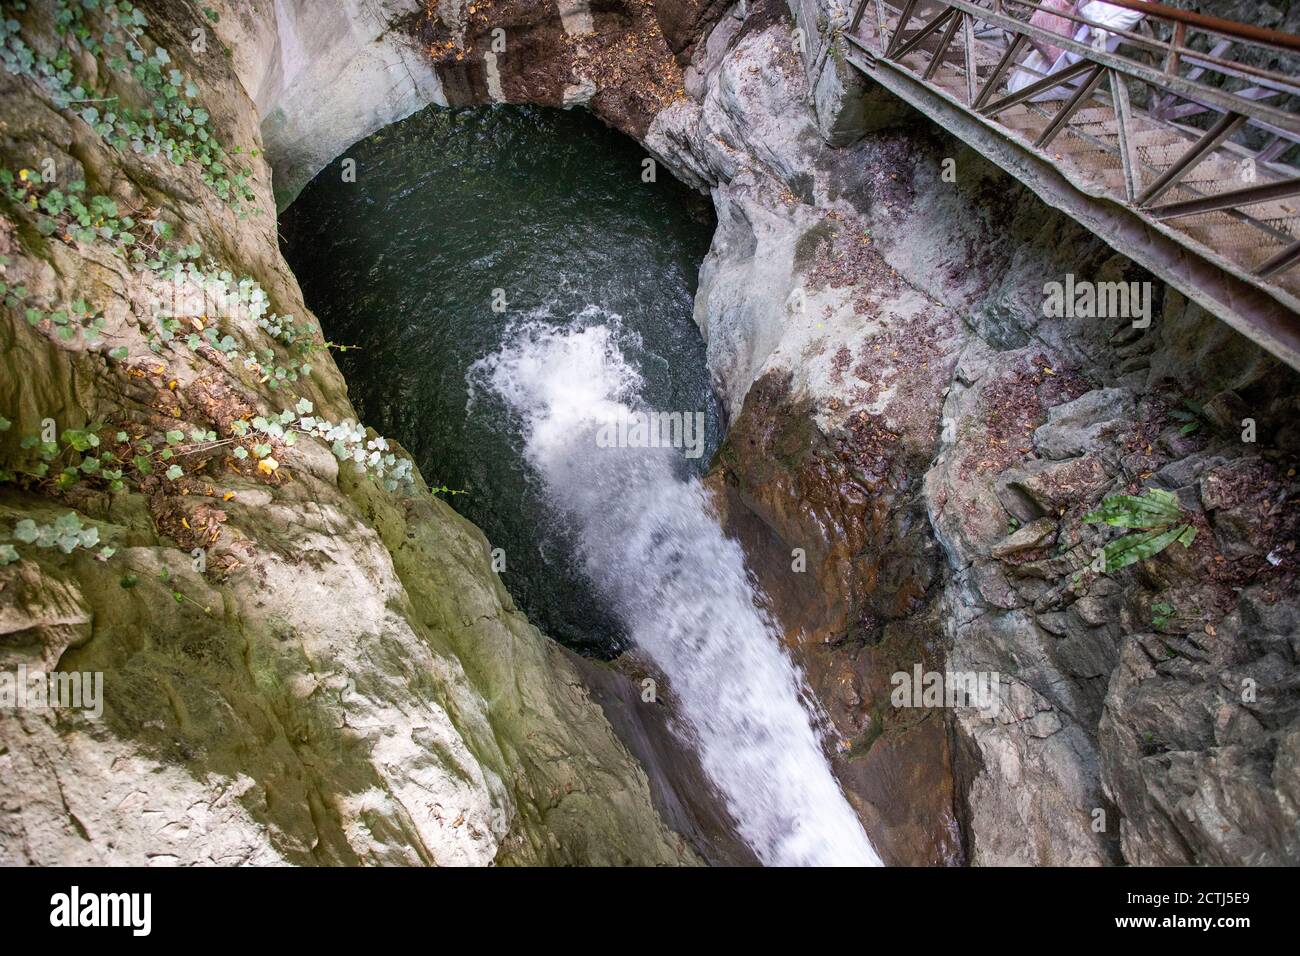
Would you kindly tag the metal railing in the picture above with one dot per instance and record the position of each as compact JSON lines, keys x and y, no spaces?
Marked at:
{"x":1190,"y":121}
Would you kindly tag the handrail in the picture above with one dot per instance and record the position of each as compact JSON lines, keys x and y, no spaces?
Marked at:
{"x":1227,"y":28}
{"x":1183,"y":201}
{"x":1220,"y":99}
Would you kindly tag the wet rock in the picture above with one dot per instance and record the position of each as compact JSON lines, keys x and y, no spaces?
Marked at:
{"x":1199,"y":743}
{"x":686,"y":22}
{"x":322,"y":77}
{"x":1029,"y":537}
{"x":343,"y":679}
{"x":943,"y":491}
{"x":1080,"y":427}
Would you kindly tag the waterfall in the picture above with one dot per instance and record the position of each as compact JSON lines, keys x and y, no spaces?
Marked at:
{"x":652,"y":545}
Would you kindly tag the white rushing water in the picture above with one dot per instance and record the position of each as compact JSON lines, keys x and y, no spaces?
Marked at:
{"x":652,"y":544}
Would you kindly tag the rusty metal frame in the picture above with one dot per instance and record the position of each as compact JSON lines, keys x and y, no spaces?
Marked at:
{"x":1266,"y":192}
{"x":904,"y":18}
{"x":1200,"y":92}
{"x":1062,"y":117}
{"x":1129,"y":161}
{"x":941,"y":51}
{"x":1228,"y":124}
{"x":1049,"y":82}
{"x":1268,"y":314}
{"x":991,"y":84}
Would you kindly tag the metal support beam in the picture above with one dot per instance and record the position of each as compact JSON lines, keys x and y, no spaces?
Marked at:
{"x":1128,"y":153}
{"x":995,"y":77}
{"x":972,"y":64}
{"x":857,"y":16}
{"x":1228,"y":124}
{"x":1063,"y":116}
{"x":941,"y":51}
{"x":920,"y":36}
{"x":903,"y":19}
{"x":1265,"y":192}
{"x":1281,"y":262}
{"x":1049,"y":82}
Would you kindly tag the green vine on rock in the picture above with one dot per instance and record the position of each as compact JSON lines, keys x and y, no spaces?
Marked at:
{"x":169,"y":121}
{"x":66,"y":533}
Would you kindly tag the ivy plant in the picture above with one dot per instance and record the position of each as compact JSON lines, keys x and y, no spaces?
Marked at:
{"x":167,"y":119}
{"x":67,"y":533}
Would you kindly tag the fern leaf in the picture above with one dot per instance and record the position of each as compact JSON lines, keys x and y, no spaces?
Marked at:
{"x":1133,"y":548}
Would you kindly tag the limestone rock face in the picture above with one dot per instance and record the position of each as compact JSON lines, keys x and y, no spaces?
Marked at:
{"x":830,"y":433}
{"x":324,"y":75}
{"x":914,"y":447}
{"x":618,"y":57}
{"x":685,"y":23}
{"x":299,"y":665}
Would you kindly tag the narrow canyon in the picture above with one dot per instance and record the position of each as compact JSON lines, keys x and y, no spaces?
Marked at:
{"x":318,"y":323}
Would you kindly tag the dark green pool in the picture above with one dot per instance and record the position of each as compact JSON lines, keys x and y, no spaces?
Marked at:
{"x":549,"y":207}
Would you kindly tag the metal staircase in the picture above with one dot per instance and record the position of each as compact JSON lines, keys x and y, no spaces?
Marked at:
{"x":1177,"y":141}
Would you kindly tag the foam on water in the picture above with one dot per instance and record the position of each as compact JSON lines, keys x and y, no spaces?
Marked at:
{"x":651,"y":543}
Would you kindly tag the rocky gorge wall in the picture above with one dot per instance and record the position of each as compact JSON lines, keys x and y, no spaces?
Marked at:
{"x":903,"y":413}
{"x":306,"y":657}
{"x":325,"y":75}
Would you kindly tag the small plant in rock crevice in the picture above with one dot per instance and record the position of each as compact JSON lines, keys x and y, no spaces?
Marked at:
{"x":77,"y":456}
{"x":347,"y":440}
{"x":80,"y":455}
{"x":196,"y":292}
{"x":169,"y":582}
{"x":1161,"y":614}
{"x":176,"y":126}
{"x":1191,"y":414}
{"x":1156,"y":516}
{"x":65,"y":461}
{"x":68,"y":322}
{"x":201,"y":296}
{"x":68,"y":534}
